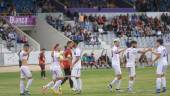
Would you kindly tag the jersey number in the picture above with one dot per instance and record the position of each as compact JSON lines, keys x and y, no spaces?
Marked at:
{"x":127,"y":55}
{"x":165,"y":53}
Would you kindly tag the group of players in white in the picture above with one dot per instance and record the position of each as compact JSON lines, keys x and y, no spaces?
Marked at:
{"x":130,"y":55}
{"x":56,"y":70}
{"x":57,"y":75}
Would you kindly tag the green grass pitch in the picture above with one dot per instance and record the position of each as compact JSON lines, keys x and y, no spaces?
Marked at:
{"x":94,"y":83}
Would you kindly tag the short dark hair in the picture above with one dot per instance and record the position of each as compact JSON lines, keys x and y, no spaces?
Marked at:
{"x":69,"y":42}
{"x":160,"y":41}
{"x":43,"y":49}
{"x":26,"y":45}
{"x":115,"y":41}
{"x":56,"y":45}
{"x":133,"y":42}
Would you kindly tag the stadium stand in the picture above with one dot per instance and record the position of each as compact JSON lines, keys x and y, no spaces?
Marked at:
{"x":17,"y":7}
{"x":94,"y":3}
{"x":10,"y":37}
{"x":122,"y":26}
{"x":80,"y":31}
{"x":152,"y":5}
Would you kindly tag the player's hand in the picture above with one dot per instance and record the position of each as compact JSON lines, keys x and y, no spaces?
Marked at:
{"x":71,"y":67}
{"x":152,"y":62}
{"x":150,"y":49}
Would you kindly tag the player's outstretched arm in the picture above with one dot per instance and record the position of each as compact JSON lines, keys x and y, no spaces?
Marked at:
{"x":145,"y":51}
{"x":121,"y":50}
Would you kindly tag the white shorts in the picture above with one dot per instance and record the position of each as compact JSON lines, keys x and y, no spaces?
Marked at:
{"x":76,"y":72}
{"x":131,"y":71}
{"x":25,"y":72}
{"x":117,"y":69}
{"x":161,"y":69}
{"x":56,"y":73}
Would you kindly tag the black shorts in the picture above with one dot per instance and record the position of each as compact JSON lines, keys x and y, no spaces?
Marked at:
{"x":42,"y":66}
{"x":20,"y":63}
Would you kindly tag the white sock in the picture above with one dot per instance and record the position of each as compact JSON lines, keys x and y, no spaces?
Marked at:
{"x":57,"y":84}
{"x":114,"y":81}
{"x":118,"y":84}
{"x":22,"y":87}
{"x":49,"y":85}
{"x":163,"y":82}
{"x":130,"y":86}
{"x":74,"y":83}
{"x":28,"y":84}
{"x":79,"y":83}
{"x":158,"y":83}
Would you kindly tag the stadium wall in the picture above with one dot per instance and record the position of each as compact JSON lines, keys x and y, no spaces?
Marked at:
{"x":47,"y":36}
{"x":110,"y":15}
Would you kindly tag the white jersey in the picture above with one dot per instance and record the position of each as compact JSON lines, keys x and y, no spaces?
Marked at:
{"x":131,"y":55}
{"x":76,"y":53}
{"x":23,"y":55}
{"x":56,"y":62}
{"x":115,"y":56}
{"x":164,"y":55}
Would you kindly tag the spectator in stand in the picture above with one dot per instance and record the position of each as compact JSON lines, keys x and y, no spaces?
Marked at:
{"x":24,"y":39}
{"x":104,"y":61}
{"x":84,"y":61}
{"x":143,"y":60}
{"x":92,"y":61}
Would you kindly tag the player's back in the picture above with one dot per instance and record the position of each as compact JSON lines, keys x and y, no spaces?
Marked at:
{"x":131,"y":54}
{"x":77,"y":53}
{"x":55,"y":58}
{"x":115,"y":56}
{"x":23,"y":57}
{"x":163,"y":55}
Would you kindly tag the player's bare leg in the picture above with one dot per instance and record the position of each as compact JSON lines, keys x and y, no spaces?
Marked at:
{"x":48,"y":86}
{"x":22,"y":87}
{"x":158,"y":83}
{"x":130,"y":85}
{"x":163,"y":78}
{"x":116,"y":82}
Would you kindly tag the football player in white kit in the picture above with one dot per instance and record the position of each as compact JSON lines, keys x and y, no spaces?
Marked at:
{"x":25,"y":72}
{"x":57,"y":75}
{"x":116,"y":66}
{"x":162,"y":63}
{"x":131,"y":54}
{"x":76,"y":69}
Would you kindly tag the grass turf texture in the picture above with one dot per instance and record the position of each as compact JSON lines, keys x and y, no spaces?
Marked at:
{"x":94,"y":83}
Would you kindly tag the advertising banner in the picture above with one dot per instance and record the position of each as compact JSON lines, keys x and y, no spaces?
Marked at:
{"x":22,"y":20}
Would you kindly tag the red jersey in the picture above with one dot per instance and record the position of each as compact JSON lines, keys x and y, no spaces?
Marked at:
{"x":41,"y":58}
{"x":67,"y":54}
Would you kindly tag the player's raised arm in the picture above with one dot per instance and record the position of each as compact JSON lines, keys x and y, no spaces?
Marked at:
{"x":144,"y":51}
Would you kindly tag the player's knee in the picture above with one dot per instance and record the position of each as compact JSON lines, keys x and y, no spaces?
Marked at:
{"x":131,"y":78}
{"x":159,"y":75}
{"x":30,"y":78}
{"x":163,"y":75}
{"x":54,"y":80}
{"x":22,"y":78}
{"x":119,"y":77}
